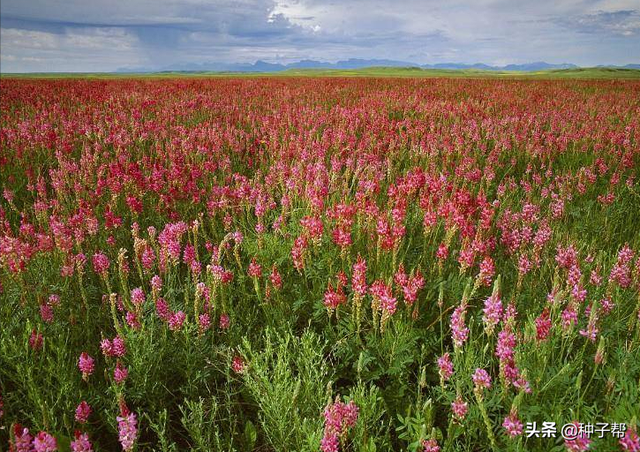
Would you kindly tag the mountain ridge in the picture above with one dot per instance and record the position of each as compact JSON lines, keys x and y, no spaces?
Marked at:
{"x":355,"y":63}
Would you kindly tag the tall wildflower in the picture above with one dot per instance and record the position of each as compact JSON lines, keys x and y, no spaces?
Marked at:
{"x":383,"y":300}
{"x":127,"y":429}
{"x":238,"y":364}
{"x":156,"y":286}
{"x":83,"y":411}
{"x":22,"y":439}
{"x":81,"y":443}
{"x":580,"y":443}
{"x":459,"y":408}
{"x":176,"y":320}
{"x":512,"y":424}
{"x":492,"y":312}
{"x":313,"y":227}
{"x":410,"y":285}
{"x":120,"y":373}
{"x":101,"y":264}
{"x":621,"y":272}
{"x":430,"y":445}
{"x":255,"y":272}
{"x":339,"y":417}
{"x":298,"y":252}
{"x":543,"y":325}
{"x":631,"y":441}
{"x":334,"y":298}
{"x":86,"y":365}
{"x":482,"y":381}
{"x":487,"y":270}
{"x":359,"y":287}
{"x":44,"y":442}
{"x":445,"y":367}
{"x":137,"y":297}
{"x":459,"y":330}
{"x":275,"y":278}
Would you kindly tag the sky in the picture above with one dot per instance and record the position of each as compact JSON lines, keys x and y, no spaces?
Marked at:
{"x":106,"y":35}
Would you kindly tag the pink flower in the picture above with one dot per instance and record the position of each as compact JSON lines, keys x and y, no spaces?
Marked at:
{"x":631,"y":441}
{"x":505,"y":348}
{"x":83,"y":411}
{"x":148,"y":258}
{"x":156,"y":283}
{"x":578,"y":444}
{"x":118,"y":347}
{"x":275,"y":278}
{"x":443,"y":252}
{"x":334,"y":298}
{"x":445,"y":366}
{"x":487,"y":270}
{"x":524,"y":265}
{"x":35,"y":340}
{"x":569,"y":317}
{"x":512,"y":424}
{"x":359,"y":278}
{"x":107,"y":347}
{"x":43,"y":442}
{"x":86,"y":365}
{"x":120,"y":373}
{"x":339,"y":417}
{"x":329,"y":443}
{"x":591,"y":332}
{"x":567,"y":257}
{"x":81,"y":443}
{"x":54,"y":300}
{"x":411,"y":287}
{"x":127,"y":430}
{"x":459,"y":408}
{"x":176,"y":320}
{"x":430,"y":445}
{"x":481,"y":380}
{"x":543,"y":325}
{"x":162,"y":309}
{"x":255,"y":269}
{"x":204,"y":322}
{"x":313,"y":226}
{"x":224,"y":321}
{"x":459,"y":331}
{"x":238,"y":365}
{"x":492,"y":312}
{"x":22,"y":439}
{"x":100,"y":263}
{"x":132,"y":320}
{"x":384,"y":295}
{"x":137,"y":296}
{"x":46,"y":313}
{"x":297,"y":252}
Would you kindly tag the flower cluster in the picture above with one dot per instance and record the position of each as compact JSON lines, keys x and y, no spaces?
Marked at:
{"x":339,"y":417}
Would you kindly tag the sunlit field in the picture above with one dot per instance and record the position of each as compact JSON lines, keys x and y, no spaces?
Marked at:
{"x":319,"y":264}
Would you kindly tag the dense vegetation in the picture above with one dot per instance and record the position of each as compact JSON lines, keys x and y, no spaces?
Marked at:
{"x":304,"y":264}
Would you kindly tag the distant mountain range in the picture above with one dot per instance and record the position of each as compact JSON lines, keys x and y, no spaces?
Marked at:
{"x":353,"y":63}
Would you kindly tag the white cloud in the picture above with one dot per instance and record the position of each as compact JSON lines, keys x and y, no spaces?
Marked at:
{"x":77,"y":49}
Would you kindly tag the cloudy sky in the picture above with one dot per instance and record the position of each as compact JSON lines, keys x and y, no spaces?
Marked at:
{"x":104,"y":35}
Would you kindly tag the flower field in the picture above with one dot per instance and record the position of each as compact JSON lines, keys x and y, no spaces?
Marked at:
{"x":319,"y":264}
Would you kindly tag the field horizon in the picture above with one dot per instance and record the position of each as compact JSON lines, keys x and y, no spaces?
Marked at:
{"x":374,"y":71}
